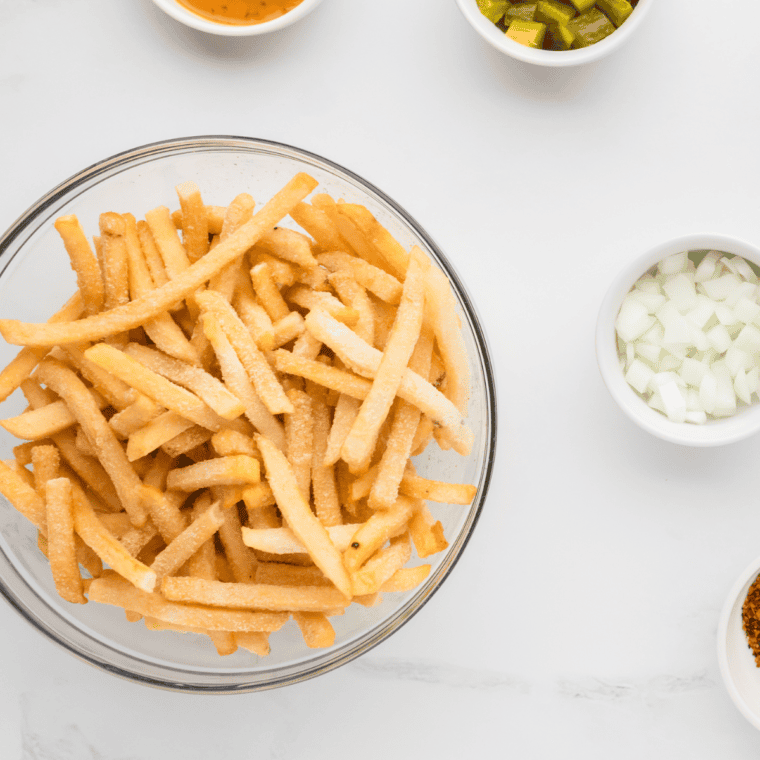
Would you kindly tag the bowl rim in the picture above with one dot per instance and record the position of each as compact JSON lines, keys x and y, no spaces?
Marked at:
{"x":552,"y":58}
{"x":185,"y":16}
{"x":747,"y":575}
{"x":715,"y":433}
{"x":362,"y":642}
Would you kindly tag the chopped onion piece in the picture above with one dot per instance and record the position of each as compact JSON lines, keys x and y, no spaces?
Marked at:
{"x":696,"y":417}
{"x":673,"y":401}
{"x":725,"y":315}
{"x":678,"y":262}
{"x":736,"y":360}
{"x":746,"y":310}
{"x":680,"y":289}
{"x":722,"y":287}
{"x":707,"y":267}
{"x":708,"y":392}
{"x":741,"y":386}
{"x":633,"y":320}
{"x":745,"y":290}
{"x":693,"y":371}
{"x":701,"y":312}
{"x":719,"y":338}
{"x":649,"y":352}
{"x":639,"y":375}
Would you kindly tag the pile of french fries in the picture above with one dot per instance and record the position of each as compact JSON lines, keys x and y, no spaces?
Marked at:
{"x":224,"y":416}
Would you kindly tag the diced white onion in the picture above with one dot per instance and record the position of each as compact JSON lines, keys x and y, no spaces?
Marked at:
{"x":689,"y":336}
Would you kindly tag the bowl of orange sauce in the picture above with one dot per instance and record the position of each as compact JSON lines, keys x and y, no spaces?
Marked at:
{"x":237,"y":18}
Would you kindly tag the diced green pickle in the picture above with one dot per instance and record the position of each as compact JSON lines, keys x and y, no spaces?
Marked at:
{"x":529,"y":33}
{"x":583,"y":5}
{"x":553,"y":12}
{"x":494,"y":10}
{"x":590,"y":28}
{"x":558,"y":37}
{"x":522,"y":11}
{"x":616,"y":10}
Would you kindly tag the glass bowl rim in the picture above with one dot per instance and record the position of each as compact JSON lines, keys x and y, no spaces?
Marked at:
{"x":373,"y":636}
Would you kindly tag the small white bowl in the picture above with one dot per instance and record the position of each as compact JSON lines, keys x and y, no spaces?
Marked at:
{"x":737,"y":663}
{"x":744,"y":423}
{"x":188,"y":18}
{"x":494,"y":36}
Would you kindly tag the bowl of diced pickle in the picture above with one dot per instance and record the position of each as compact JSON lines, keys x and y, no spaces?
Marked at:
{"x":555,"y":32}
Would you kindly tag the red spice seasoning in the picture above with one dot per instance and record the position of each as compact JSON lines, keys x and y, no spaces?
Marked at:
{"x":751,"y":619}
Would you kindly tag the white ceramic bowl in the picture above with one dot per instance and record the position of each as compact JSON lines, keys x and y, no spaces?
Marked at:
{"x":737,"y":664}
{"x":188,"y":18}
{"x":714,"y":432}
{"x":494,"y":36}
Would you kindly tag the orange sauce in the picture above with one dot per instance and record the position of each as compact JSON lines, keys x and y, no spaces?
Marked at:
{"x":240,"y":11}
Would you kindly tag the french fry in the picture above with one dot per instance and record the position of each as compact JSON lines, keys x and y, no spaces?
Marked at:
{"x":23,"y":497}
{"x":116,"y":592}
{"x":110,"y":454}
{"x":107,"y":546}
{"x":376,"y":531}
{"x":139,"y":311}
{"x":173,"y":253}
{"x":82,"y":442}
{"x":426,"y":533}
{"x":317,"y":372}
{"x":316,"y":629}
{"x":162,"y":330}
{"x":254,"y":641}
{"x":319,"y":225}
{"x":281,"y":574}
{"x":267,"y":293}
{"x":299,"y":436}
{"x":115,"y":266}
{"x":162,"y":391}
{"x":189,"y":443}
{"x":223,"y":471}
{"x":406,"y":420}
{"x":287,"y":329}
{"x":239,"y":382}
{"x":406,"y":579}
{"x":289,"y":245}
{"x":382,"y":567}
{"x":136,"y":539}
{"x":188,"y":542}
{"x":61,"y":545}
{"x":252,"y":595}
{"x":135,"y":416}
{"x":198,"y":381}
{"x":324,"y":489}
{"x":158,"y":432}
{"x":284,"y":541}
{"x":83,"y":262}
{"x":255,"y":318}
{"x":377,"y":281}
{"x":360,"y":442}
{"x":435,"y":490}
{"x":118,"y":394}
{"x":45,"y":421}
{"x":301,"y":520}
{"x":229,"y":442}
{"x":238,"y":213}
{"x":354,"y":296}
{"x":256,"y":498}
{"x":214,"y":218}
{"x":46,"y":462}
{"x":241,"y":559}
{"x":307,"y":346}
{"x":283,"y":274}
{"x":312,"y":299}
{"x":194,"y":221}
{"x":152,"y":255}
{"x":358,"y":355}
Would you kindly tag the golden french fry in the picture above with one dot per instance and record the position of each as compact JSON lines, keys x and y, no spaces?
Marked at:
{"x":376,"y":531}
{"x":317,"y":372}
{"x":319,"y":225}
{"x":313,"y":299}
{"x":316,"y":629}
{"x":289,"y":245}
{"x":263,"y":378}
{"x":254,"y":317}
{"x":354,"y":296}
{"x":83,"y":262}
{"x":210,"y":390}
{"x":194,"y":221}
{"x":167,"y":241}
{"x":118,"y":394}
{"x":239,"y":382}
{"x":107,"y":546}
{"x":406,"y":420}
{"x":267,"y":293}
{"x":188,"y":542}
{"x":360,"y":442}
{"x":135,"y":313}
{"x":324,"y":488}
{"x":382,"y":567}
{"x":241,"y":559}
{"x":254,"y":641}
{"x":114,"y":260}
{"x":114,"y":591}
{"x":61,"y":545}
{"x":284,"y":541}
{"x":137,"y":539}
{"x":214,"y":218}
{"x":426,"y":533}
{"x":281,"y":574}
{"x":46,"y":462}
{"x":435,"y":490}
{"x":152,"y":255}
{"x":28,"y":358}
{"x":135,"y":416}
{"x":252,"y":595}
{"x":158,"y":432}
{"x":192,"y":440}
{"x":288,"y":329}
{"x":301,"y":520}
{"x":223,"y":471}
{"x":299,"y":429}
{"x":406,"y":579}
{"x":385,"y":286}
{"x":73,"y":391}
{"x":283,"y":274}
{"x":45,"y":421}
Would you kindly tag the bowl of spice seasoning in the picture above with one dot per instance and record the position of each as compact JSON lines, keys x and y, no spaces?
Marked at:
{"x":739,"y":643}
{"x":237,"y":18}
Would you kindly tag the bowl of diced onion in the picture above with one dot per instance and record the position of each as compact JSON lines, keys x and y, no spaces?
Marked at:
{"x":678,"y":340}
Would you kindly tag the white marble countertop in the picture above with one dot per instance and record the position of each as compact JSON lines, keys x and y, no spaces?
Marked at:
{"x":581,"y":620}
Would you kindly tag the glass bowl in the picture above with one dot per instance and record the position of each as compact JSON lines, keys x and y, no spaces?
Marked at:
{"x":35,"y":279}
